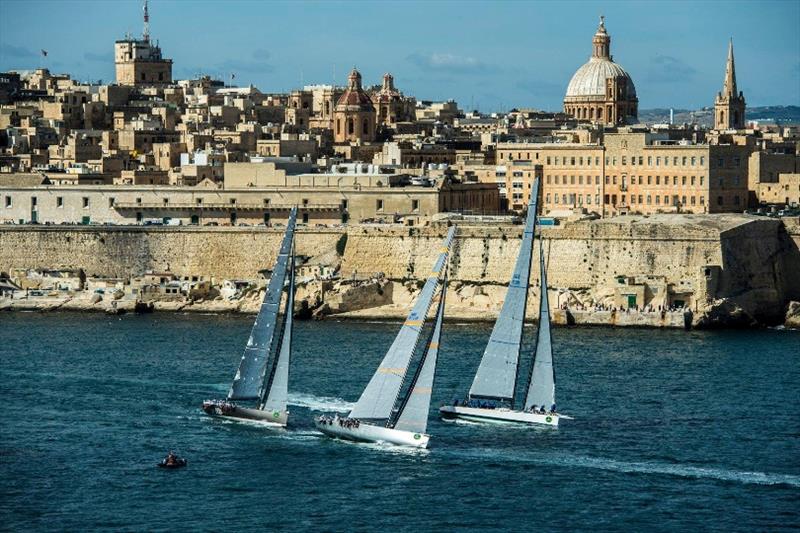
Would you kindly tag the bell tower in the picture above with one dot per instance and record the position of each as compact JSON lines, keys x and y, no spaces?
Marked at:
{"x":729,"y":105}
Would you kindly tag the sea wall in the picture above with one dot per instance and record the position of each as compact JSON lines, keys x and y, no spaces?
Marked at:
{"x":720,"y":266}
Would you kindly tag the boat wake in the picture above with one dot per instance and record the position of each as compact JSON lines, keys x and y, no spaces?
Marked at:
{"x":319,"y":403}
{"x":646,"y":468}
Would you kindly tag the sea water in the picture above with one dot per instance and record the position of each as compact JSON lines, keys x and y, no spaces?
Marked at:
{"x":672,"y":430}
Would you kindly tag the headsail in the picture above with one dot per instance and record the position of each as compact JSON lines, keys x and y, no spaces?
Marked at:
{"x":277,"y":388}
{"x":378,"y":398}
{"x":497,"y":374}
{"x":249,"y":379}
{"x":542,"y":385}
{"x":414,"y":412}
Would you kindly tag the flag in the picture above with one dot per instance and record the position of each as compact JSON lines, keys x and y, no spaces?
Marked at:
{"x":44,"y":52}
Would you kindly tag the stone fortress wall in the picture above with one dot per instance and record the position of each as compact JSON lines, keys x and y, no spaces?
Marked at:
{"x":724,"y":264}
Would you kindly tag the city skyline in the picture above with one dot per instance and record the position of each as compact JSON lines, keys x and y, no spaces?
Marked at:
{"x":479,"y":58}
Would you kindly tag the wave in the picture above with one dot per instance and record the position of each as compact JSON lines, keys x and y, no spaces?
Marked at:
{"x":319,"y":403}
{"x":646,"y":468}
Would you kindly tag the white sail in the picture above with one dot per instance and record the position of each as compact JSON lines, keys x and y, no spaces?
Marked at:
{"x":497,"y":374}
{"x":248,"y":382}
{"x":379,"y":396}
{"x":414,"y":413}
{"x":542,"y":385}
{"x":278,"y":387}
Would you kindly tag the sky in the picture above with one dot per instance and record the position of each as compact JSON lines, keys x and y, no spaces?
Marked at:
{"x":492,"y":56}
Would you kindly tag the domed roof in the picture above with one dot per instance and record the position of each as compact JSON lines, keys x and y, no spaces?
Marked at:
{"x":354,"y":98}
{"x":590,"y":79}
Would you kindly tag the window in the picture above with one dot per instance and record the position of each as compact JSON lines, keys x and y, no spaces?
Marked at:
{"x":674,"y":180}
{"x":624,"y":160}
{"x":555,"y":198}
{"x":702,"y":200}
{"x":572,"y":180}
{"x":597,"y":199}
{"x":111,"y":202}
{"x":692,"y":181}
{"x":547,"y":198}
{"x":266,"y":219}
{"x":59,"y":201}
{"x":719,"y":200}
{"x":564,"y":199}
{"x":666,"y":161}
{"x":305,"y":218}
{"x":139,"y":201}
{"x":675,"y":161}
{"x":683,"y":200}
{"x":547,"y":178}
{"x":683,"y":181}
{"x":658,"y":200}
{"x":588,"y":199}
{"x":548,"y":159}
{"x":649,"y":160}
{"x":683,"y":161}
{"x":694,"y":160}
{"x":86,"y":202}
{"x":649,"y":199}
{"x":233,"y":201}
{"x":736,"y":200}
{"x":233,"y":219}
{"x":702,"y":160}
{"x":165,"y":201}
{"x":693,"y":200}
{"x":640,"y":199}
{"x":720,"y":162}
{"x":736,"y":161}
{"x":701,"y":181}
{"x":379,"y":205}
{"x":658,"y":180}
{"x":8,"y":201}
{"x":351,"y":126}
{"x":344,"y":204}
{"x":199,"y":201}
{"x":305,"y":201}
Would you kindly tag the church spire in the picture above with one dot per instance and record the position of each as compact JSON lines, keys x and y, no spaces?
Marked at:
{"x":601,"y":42}
{"x":729,"y":86}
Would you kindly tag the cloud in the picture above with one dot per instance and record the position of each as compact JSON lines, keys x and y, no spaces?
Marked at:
{"x":668,"y":69}
{"x":452,"y":63}
{"x":9,"y":51}
{"x":258,"y":63}
{"x":98,"y":58}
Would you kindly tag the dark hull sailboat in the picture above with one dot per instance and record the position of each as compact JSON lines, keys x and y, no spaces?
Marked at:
{"x":263,"y":374}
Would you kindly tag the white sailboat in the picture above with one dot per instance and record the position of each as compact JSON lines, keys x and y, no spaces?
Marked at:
{"x":492,"y":395}
{"x":374,"y":417}
{"x":263,"y":374}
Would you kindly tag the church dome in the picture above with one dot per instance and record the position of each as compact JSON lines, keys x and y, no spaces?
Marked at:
{"x":590,"y":79}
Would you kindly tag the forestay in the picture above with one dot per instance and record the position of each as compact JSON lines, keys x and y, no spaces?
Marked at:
{"x":278,"y":386}
{"x":497,"y":373}
{"x":542,"y":385}
{"x":414,"y":414}
{"x":378,"y":398}
{"x":249,"y":379}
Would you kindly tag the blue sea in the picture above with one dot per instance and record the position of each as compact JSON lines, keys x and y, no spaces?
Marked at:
{"x":672,"y":431}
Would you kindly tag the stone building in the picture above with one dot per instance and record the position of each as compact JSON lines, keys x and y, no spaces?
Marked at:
{"x":602,"y":91}
{"x":729,"y":104}
{"x":139,"y":61}
{"x":392,"y":107}
{"x":354,"y":115}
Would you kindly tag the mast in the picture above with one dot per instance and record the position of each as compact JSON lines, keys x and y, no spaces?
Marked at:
{"x":146,"y":29}
{"x":542,"y":380}
{"x":496,"y":377}
{"x":413,"y":413}
{"x":381,"y":393}
{"x":248,"y":383}
{"x":276,"y":389}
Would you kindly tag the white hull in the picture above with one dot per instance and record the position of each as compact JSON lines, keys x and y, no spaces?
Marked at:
{"x":276,"y":419}
{"x":498,"y":416}
{"x":369,"y":433}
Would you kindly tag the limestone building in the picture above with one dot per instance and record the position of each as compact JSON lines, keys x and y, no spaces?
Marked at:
{"x":354,"y":115}
{"x":729,"y":104}
{"x":139,"y":61}
{"x":392,"y":107}
{"x":602,"y":91}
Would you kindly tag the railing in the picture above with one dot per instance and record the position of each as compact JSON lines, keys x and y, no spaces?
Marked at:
{"x":224,"y":206}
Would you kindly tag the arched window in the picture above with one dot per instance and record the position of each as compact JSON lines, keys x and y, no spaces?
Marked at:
{"x":338,"y":126}
{"x":351,"y":126}
{"x":366,"y":127}
{"x":722,"y":117}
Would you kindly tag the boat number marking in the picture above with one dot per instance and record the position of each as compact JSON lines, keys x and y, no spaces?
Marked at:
{"x":416,"y":436}
{"x":548,"y":419}
{"x":277,"y":414}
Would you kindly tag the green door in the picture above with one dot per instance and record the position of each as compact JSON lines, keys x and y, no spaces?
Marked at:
{"x":85,"y":220}
{"x":631,"y":300}
{"x":34,"y":216}
{"x":195,"y":219}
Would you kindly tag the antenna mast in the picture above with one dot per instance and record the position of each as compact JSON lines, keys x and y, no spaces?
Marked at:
{"x":146,"y":32}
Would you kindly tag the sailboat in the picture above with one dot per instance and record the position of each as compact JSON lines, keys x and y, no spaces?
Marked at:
{"x":263,"y":374}
{"x":382,"y":413}
{"x":492,"y":395}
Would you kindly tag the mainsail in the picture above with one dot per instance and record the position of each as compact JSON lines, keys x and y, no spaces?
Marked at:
{"x":414,"y":412}
{"x":542,"y":386}
{"x":497,"y":374}
{"x":277,"y":389}
{"x":378,"y":398}
{"x":249,"y":379}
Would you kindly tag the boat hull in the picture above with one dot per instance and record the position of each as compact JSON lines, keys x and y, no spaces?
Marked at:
{"x":369,"y":433}
{"x":236,"y":412}
{"x":497,"y":416}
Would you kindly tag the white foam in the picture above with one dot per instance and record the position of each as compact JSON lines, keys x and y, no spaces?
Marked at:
{"x":680,"y":470}
{"x":319,"y":403}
